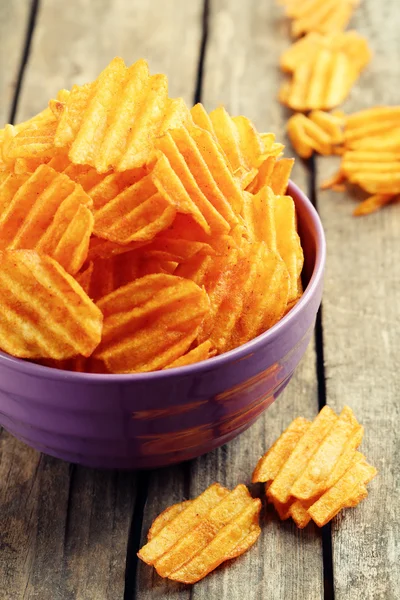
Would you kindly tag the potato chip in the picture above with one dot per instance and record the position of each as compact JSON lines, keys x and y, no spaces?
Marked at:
{"x":322,"y":16}
{"x":113,"y":122}
{"x":308,"y":469}
{"x":235,"y":314}
{"x":289,"y":244}
{"x":347,"y":492}
{"x":197,"y":354}
{"x":60,"y":220}
{"x":324,"y":69}
{"x":374,"y":203}
{"x":150,"y":322}
{"x":193,"y":538}
{"x":244,"y":147}
{"x":45,"y":313}
{"x":313,"y":480}
{"x":319,"y":132}
{"x":282,"y":485}
{"x":205,"y":190}
{"x":271,"y":463}
{"x":377,"y":172}
{"x":136,"y":214}
{"x":33,"y":139}
{"x":273,"y":173}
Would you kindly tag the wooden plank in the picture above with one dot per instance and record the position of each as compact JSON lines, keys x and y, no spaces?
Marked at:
{"x":13,"y":25}
{"x":64,"y":529}
{"x":241,"y":71}
{"x":75,"y":40}
{"x":361,"y":331}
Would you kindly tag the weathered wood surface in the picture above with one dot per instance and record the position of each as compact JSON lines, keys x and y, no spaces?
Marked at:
{"x":65,"y":530}
{"x":241,"y":71}
{"x":14,"y":17}
{"x":361,"y":331}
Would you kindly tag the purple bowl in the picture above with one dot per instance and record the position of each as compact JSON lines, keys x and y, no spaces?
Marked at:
{"x":160,"y":418}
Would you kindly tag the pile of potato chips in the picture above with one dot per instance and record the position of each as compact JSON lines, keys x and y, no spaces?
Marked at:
{"x":312,"y":471}
{"x":137,"y":234}
{"x":190,"y":539}
{"x":324,"y":65}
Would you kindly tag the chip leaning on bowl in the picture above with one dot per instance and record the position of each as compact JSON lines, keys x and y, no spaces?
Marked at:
{"x":137,"y":234}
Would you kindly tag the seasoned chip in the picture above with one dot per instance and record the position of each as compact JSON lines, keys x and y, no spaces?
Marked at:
{"x":244,"y":147}
{"x":313,"y":480}
{"x":282,"y":485}
{"x":271,"y":463}
{"x":113,"y":122}
{"x":347,"y":492}
{"x":150,"y":322}
{"x":324,"y":69}
{"x":376,"y":171}
{"x":45,"y":313}
{"x":374,"y":203}
{"x":60,"y":221}
{"x":322,"y":16}
{"x":199,"y":353}
{"x":136,"y":214}
{"x":236,"y":282}
{"x":191,"y":539}
{"x":309,"y":469}
{"x":320,"y":132}
{"x":273,"y":173}
{"x":193,"y":173}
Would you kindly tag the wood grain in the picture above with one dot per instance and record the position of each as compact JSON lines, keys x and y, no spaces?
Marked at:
{"x":240,"y":71}
{"x":75,"y":40}
{"x":361,"y":330}
{"x":13,"y":25}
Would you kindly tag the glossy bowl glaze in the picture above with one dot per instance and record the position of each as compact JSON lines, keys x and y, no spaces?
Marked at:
{"x":153,"y":419}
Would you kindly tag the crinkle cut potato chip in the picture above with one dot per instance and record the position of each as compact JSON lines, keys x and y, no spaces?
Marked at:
{"x":150,"y":322}
{"x":45,"y":313}
{"x":174,"y":221}
{"x":193,"y":173}
{"x":324,"y":69}
{"x":313,"y":470}
{"x":46,"y":212}
{"x":113,"y":122}
{"x":191,"y":539}
{"x":320,"y":132}
{"x":235,"y":283}
{"x":321,"y":16}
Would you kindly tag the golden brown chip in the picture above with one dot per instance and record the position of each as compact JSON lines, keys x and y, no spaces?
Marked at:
{"x":45,"y":313}
{"x":199,"y":353}
{"x":136,"y":214}
{"x":49,"y":213}
{"x":244,"y":147}
{"x":191,"y":539}
{"x":113,"y":122}
{"x":322,"y":16}
{"x":308,"y":470}
{"x":271,"y":463}
{"x":324,"y":69}
{"x":347,"y":492}
{"x":374,"y":203}
{"x":377,"y":172}
{"x":320,"y":132}
{"x":313,"y":481}
{"x":236,"y":281}
{"x":150,"y":322}
{"x":192,"y":172}
{"x":306,"y":447}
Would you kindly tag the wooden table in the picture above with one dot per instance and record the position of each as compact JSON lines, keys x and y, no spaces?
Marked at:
{"x":68,"y":532}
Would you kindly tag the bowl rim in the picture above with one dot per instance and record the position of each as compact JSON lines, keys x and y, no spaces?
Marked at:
{"x":30,"y":368}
